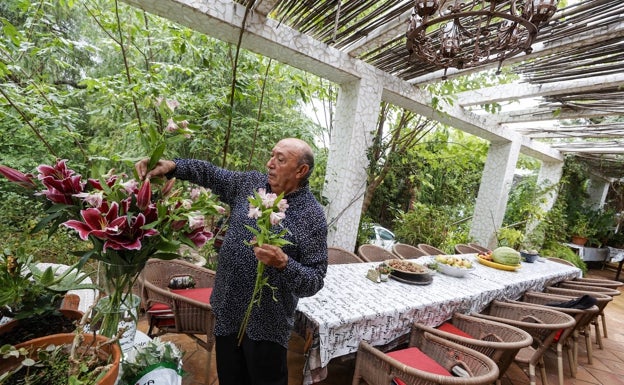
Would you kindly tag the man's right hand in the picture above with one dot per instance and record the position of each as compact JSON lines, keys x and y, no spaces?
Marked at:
{"x":162,"y":168}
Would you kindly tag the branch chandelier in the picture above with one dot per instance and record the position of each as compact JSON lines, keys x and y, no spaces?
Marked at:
{"x":470,"y":33}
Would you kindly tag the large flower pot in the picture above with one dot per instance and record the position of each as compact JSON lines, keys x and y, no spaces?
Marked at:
{"x":11,"y":331}
{"x":108,"y":350}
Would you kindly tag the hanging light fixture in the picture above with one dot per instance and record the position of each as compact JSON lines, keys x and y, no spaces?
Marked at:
{"x":469,"y":33}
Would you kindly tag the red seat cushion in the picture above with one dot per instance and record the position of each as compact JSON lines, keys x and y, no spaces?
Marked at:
{"x":200,"y":294}
{"x":416,"y":359}
{"x":159,"y":308}
{"x":450,"y":328}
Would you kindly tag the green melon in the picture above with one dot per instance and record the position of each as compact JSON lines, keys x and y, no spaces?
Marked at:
{"x":506,"y":256}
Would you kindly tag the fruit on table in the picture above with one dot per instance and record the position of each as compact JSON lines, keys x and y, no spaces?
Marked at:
{"x":506,"y":256}
{"x":454,"y":261}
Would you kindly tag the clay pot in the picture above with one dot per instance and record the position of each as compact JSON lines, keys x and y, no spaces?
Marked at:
{"x":581,"y":241}
{"x":109,"y":378}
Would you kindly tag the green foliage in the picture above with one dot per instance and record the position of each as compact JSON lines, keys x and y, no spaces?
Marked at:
{"x":436,"y":226}
{"x":510,"y":237}
{"x":556,"y":249}
{"x":28,"y":290}
{"x":81,"y":81}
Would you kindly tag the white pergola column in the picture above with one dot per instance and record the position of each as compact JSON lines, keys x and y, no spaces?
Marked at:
{"x":597,"y":190}
{"x":345,"y":179}
{"x":496,"y":182}
{"x":549,"y":175}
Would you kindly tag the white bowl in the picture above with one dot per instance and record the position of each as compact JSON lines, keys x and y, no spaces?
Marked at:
{"x":454,"y":271}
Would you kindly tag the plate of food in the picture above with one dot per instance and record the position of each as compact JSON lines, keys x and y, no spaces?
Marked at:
{"x":410,"y":271}
{"x":454,"y":265}
{"x":502,"y":258}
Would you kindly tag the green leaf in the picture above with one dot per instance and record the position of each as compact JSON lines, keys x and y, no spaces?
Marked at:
{"x":156,"y":155}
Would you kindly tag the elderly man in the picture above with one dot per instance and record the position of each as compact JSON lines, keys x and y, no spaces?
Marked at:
{"x":295,"y":270}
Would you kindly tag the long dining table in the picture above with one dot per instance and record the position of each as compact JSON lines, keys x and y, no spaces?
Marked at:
{"x":351,"y":308}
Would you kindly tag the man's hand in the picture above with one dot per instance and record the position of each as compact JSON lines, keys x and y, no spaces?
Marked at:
{"x":162,"y":168}
{"x":271,"y":256}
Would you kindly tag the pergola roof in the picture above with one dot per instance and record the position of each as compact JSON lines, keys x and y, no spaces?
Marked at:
{"x":574,"y":74}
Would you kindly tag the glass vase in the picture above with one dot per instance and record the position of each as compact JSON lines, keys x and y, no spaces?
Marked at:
{"x":117,"y":307}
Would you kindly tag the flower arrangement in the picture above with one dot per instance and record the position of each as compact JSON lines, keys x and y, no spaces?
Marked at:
{"x":126,"y":221}
{"x":269,"y":210}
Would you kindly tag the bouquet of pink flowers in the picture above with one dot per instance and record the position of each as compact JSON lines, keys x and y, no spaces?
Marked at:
{"x":126,"y":221}
{"x":269,"y":210}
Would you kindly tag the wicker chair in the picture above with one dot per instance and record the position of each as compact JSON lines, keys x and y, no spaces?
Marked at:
{"x":373,"y":367}
{"x":560,"y":260}
{"x":373,"y":253}
{"x":185,"y":311}
{"x":430,"y":250}
{"x":405,"y":251}
{"x":592,"y":289}
{"x":568,"y":340}
{"x":339,"y":256}
{"x":500,"y":342}
{"x":466,"y":249}
{"x":602,"y":298}
{"x":597,"y":282}
{"x":543,"y":323}
{"x":481,"y":249}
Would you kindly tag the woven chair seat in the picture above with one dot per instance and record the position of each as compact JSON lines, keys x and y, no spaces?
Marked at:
{"x":466,"y":249}
{"x":373,"y":253}
{"x":184,"y":311}
{"x":430,"y":250}
{"x":602,"y":300}
{"x":337,"y":256}
{"x":481,"y":249}
{"x":541,"y":322}
{"x":374,"y":367}
{"x":598,"y":282}
{"x":498,"y":341}
{"x":567,"y":340}
{"x":405,"y":251}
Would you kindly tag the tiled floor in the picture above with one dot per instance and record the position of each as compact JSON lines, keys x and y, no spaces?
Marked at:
{"x":607,"y":368}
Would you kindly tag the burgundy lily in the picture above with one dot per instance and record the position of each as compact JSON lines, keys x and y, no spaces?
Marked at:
{"x":24,"y":180}
{"x":144,"y":197}
{"x":60,"y":181}
{"x":119,"y":232}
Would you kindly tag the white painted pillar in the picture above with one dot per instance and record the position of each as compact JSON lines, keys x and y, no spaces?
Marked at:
{"x":549,"y":175}
{"x":345,"y":179}
{"x":496,"y":182}
{"x":597,"y":190}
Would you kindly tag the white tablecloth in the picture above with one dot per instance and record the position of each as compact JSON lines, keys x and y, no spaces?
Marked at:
{"x":351,"y":308}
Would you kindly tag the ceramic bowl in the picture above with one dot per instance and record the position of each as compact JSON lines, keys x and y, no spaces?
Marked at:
{"x":454,"y":271}
{"x":530,"y":258}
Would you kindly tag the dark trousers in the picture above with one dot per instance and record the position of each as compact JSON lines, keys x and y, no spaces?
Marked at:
{"x":252,"y":363}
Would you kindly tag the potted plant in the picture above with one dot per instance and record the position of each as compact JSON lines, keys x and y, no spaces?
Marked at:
{"x":581,"y":230}
{"x":61,"y":359}
{"x":384,"y":271}
{"x":31,"y":297}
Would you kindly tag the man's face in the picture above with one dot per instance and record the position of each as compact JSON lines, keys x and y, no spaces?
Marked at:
{"x":283,"y":168}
